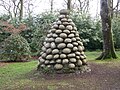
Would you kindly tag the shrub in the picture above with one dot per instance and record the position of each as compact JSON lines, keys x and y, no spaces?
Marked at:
{"x":116,"y":31}
{"x":38,"y":27}
{"x":89,"y":30}
{"x":16,"y":48}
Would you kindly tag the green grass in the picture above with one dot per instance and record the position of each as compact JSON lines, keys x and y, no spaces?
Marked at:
{"x":15,"y":70}
{"x":14,"y":76}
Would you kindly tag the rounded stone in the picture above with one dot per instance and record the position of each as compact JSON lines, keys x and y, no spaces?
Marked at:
{"x":49,"y":50}
{"x":58,"y":31}
{"x":48,"y":66}
{"x":66,"y":50}
{"x":42,"y":60}
{"x":82,"y":53}
{"x":71,"y":65}
{"x":58,"y":22}
{"x":46,"y":62}
{"x":74,"y":28}
{"x":53,"y":30}
{"x":61,"y":16}
{"x":63,"y":35}
{"x":75,"y":48}
{"x":84,"y":61}
{"x":64,"y":12}
{"x":52,"y":62}
{"x":61,"y":45}
{"x":51,"y":40}
{"x":43,"y":49}
{"x":78,"y":57}
{"x":65,"y":61}
{"x":82,"y":57}
{"x":73,"y":60}
{"x":47,"y":45}
{"x":65,"y":23}
{"x":71,"y":23}
{"x":71,"y":35}
{"x":69,"y":20}
{"x":73,"y":32}
{"x":58,"y":40}
{"x":44,"y":43}
{"x":77,"y":38}
{"x":58,"y":61}
{"x":79,"y":63}
{"x":77,"y":53}
{"x":80,"y":48}
{"x":62,"y":56}
{"x":61,"y":27}
{"x":55,"y":51}
{"x":69,"y":45}
{"x":41,"y":53}
{"x":74,"y":39}
{"x":55,"y":35}
{"x":44,"y":55}
{"x":53,"y":45}
{"x":42,"y":65}
{"x":85,"y":56}
{"x":47,"y":39}
{"x":75,"y":43}
{"x":58,"y":66}
{"x":66,"y":31}
{"x":49,"y":35}
{"x":55,"y":26}
{"x":68,"y":40}
{"x":49,"y":57}
{"x":77,"y":35}
{"x":71,"y":55}
{"x":69,"y":27}
{"x":80,"y":43}
{"x":56,"y":56}
{"x":64,"y":19}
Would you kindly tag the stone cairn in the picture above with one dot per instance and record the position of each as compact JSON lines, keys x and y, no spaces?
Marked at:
{"x":62,"y":49}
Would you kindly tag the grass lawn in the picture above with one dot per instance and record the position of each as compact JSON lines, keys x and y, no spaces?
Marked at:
{"x":22,"y":76}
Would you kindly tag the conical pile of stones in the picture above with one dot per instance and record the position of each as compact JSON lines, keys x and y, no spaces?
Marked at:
{"x":62,"y":48}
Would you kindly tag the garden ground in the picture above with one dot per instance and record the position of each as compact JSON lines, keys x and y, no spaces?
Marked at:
{"x":105,"y":75}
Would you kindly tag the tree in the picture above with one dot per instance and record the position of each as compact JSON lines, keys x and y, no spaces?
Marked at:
{"x":51,"y":5}
{"x":21,"y":10}
{"x":84,"y":6}
{"x":69,"y":4}
{"x":106,"y":17}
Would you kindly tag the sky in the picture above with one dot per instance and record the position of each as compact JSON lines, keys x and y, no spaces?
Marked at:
{"x":43,"y":5}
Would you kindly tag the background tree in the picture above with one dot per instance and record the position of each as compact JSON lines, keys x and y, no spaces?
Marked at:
{"x":106,"y":17}
{"x":51,"y":5}
{"x":69,"y":3}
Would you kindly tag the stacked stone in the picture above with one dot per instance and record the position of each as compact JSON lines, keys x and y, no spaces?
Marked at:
{"x":62,"y":47}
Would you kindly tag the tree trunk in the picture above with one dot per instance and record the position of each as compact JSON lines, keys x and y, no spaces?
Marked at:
{"x":21,"y":10}
{"x":69,"y":4}
{"x":108,"y":44}
{"x":51,"y":6}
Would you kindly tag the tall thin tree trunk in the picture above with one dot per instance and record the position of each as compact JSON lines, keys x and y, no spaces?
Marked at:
{"x":69,"y":4}
{"x":21,"y":10}
{"x":51,"y":6}
{"x":108,"y":44}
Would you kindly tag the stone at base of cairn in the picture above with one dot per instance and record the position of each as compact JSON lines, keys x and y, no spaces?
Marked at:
{"x":78,"y":70}
{"x":63,"y":50}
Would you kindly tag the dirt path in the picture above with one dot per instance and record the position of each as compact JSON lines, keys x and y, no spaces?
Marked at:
{"x":3,"y":64}
{"x":102,"y":77}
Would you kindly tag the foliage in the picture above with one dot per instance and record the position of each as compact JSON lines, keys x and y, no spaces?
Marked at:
{"x":116,"y":31}
{"x":89,"y":30}
{"x":15,"y":48}
{"x":38,"y":27}
{"x":4,"y":17}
